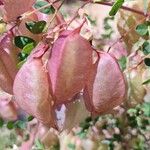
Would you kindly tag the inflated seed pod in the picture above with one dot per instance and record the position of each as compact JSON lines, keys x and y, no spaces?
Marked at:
{"x":136,"y":90}
{"x":7,"y":107}
{"x":69,"y":65}
{"x":31,"y":88}
{"x":6,"y":83}
{"x":8,"y":54}
{"x":106,"y":89}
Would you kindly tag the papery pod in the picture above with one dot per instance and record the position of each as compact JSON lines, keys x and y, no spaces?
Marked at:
{"x":118,"y":50}
{"x":8,"y":54}
{"x":127,"y":22}
{"x":6,"y":83}
{"x":71,"y":114}
{"x":136,"y":91}
{"x":6,"y":43}
{"x":7,"y":107}
{"x":69,"y":65}
{"x":106,"y":89}
{"x":15,"y":8}
{"x":48,"y":136}
{"x":31,"y":88}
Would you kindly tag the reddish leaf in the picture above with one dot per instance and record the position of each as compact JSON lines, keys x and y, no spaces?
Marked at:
{"x":106,"y":89}
{"x":31,"y":89}
{"x":69,"y":65}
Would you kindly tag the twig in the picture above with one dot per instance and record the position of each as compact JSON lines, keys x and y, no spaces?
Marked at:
{"x":76,"y":13}
{"x":124,"y":35}
{"x":25,"y":15}
{"x":55,"y":14}
{"x":125,"y":8}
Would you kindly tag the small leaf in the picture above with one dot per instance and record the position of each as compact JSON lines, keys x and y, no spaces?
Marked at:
{"x":147,"y":61}
{"x":30,"y":118}
{"x":146,"y":47}
{"x":20,"y":124}
{"x":36,"y":27}
{"x":142,"y":29}
{"x":22,"y":41}
{"x":10,"y":125}
{"x":116,"y":7}
{"x":22,"y":56}
{"x":146,"y":82}
{"x":47,"y":10}
{"x":146,"y":109}
{"x":28,"y":48}
{"x":39,"y":145}
{"x":122,"y":62}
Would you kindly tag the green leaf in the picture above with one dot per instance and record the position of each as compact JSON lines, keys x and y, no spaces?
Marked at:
{"x":47,"y":10}
{"x":146,"y":109}
{"x":22,"y":56}
{"x":147,"y":61}
{"x":146,"y":82}
{"x":117,"y":5}
{"x":28,"y":48}
{"x":36,"y":27}
{"x":146,"y":47}
{"x":22,"y":41}
{"x":142,"y":29}
{"x":10,"y":125}
{"x":122,"y":62}
{"x":39,"y":145}
{"x":20,"y":124}
{"x":30,"y":118}
{"x":1,"y":122}
{"x":92,"y":21}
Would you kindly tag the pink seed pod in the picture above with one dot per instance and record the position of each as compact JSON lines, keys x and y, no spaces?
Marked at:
{"x":106,"y":89}
{"x":7,"y":107}
{"x":6,"y":83}
{"x":31,"y":88}
{"x":8,"y":54}
{"x":69,"y":65}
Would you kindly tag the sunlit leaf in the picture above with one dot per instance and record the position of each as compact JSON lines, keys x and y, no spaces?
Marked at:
{"x":22,"y":41}
{"x":142,"y":29}
{"x":47,"y":10}
{"x":36,"y":27}
{"x":117,"y":5}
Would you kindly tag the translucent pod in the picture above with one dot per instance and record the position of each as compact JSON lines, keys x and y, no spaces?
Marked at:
{"x":106,"y":89}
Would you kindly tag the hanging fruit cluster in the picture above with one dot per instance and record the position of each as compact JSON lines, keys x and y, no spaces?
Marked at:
{"x":51,"y":75}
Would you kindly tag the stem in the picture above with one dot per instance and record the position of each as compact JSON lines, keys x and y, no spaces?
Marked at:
{"x":55,"y":14}
{"x":125,"y":8}
{"x":25,"y":15}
